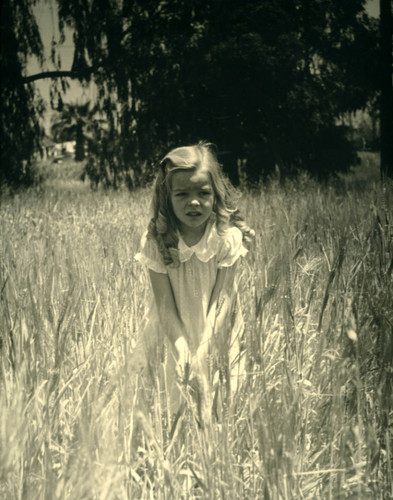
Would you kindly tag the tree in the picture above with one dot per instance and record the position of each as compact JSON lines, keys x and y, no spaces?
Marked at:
{"x":386,"y":113}
{"x":73,"y":123}
{"x":281,"y":74}
{"x":267,"y":81}
{"x":21,"y":107}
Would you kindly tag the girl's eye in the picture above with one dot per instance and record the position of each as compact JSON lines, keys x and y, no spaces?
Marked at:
{"x":205,"y":193}
{"x":179,"y":194}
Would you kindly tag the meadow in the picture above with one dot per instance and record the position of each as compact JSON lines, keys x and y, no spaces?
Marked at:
{"x":314,"y":416}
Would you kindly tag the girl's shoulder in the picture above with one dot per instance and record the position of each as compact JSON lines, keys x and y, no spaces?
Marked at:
{"x":231,"y":248}
{"x":232,"y":236}
{"x":227,"y":247}
{"x":150,"y":255}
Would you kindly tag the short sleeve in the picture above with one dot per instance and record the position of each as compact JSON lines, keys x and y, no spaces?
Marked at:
{"x":150,"y":256}
{"x":232,"y":248}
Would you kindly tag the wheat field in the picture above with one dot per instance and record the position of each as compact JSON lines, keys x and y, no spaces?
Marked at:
{"x":313,"y":418}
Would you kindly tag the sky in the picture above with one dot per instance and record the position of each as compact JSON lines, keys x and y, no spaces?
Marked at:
{"x":46,"y":16}
{"x":45,"y":12}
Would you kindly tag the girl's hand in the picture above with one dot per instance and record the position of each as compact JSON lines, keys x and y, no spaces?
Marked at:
{"x":200,"y":361}
{"x":206,"y":339}
{"x":183,"y":355}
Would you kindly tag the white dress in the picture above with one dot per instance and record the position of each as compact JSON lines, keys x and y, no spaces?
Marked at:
{"x":192,"y":284}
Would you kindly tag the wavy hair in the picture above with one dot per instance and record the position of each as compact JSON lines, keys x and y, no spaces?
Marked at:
{"x":163,"y":225}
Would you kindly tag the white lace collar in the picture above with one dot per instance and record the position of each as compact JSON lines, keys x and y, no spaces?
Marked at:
{"x":206,"y":248}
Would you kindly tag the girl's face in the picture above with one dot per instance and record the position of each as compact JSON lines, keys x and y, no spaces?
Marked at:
{"x":192,"y":199}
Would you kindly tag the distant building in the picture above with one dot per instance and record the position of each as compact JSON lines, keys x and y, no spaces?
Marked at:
{"x":62,"y":149}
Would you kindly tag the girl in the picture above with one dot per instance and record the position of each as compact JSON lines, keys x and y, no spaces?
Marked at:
{"x":191,"y":248}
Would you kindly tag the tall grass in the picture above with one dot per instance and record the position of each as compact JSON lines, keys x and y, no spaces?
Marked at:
{"x":313,"y":418}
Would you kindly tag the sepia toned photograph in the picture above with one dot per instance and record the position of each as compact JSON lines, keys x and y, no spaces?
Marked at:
{"x":196,"y":286}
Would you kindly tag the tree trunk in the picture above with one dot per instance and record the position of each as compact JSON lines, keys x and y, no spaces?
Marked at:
{"x":386,"y":90}
{"x":80,"y":142}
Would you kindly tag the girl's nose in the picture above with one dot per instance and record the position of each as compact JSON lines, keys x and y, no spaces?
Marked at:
{"x":194,"y":203}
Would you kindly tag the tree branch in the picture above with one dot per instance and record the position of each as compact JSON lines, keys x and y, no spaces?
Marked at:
{"x":57,"y":74}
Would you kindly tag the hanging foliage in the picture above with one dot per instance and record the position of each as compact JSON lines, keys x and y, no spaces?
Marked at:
{"x":266,"y":81}
{"x":21,"y":106}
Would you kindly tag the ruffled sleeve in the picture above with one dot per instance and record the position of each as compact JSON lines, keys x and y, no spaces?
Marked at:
{"x":232,"y":248}
{"x":150,"y":256}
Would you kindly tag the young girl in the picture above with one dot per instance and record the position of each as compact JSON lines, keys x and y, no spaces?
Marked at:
{"x":192,"y":248}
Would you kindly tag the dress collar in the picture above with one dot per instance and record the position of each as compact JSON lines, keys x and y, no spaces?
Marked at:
{"x":206,"y":248}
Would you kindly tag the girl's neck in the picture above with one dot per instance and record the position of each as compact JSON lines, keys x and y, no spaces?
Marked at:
{"x":192,"y":236}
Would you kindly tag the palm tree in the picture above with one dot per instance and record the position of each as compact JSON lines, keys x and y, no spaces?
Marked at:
{"x":73,"y":123}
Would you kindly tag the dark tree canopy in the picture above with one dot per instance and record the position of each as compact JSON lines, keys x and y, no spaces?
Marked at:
{"x":267,"y":81}
{"x":21,"y":107}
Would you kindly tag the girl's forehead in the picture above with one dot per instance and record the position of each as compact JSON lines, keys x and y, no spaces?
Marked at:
{"x":190,"y":178}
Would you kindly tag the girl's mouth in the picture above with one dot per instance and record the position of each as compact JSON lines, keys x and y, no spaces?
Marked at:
{"x":193,"y":214}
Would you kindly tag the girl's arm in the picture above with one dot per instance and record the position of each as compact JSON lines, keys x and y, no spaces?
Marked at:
{"x":222,"y":289}
{"x":224,"y":280}
{"x":169,"y":315}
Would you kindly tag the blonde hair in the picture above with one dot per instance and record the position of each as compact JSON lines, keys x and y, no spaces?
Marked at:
{"x":163,"y":225}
